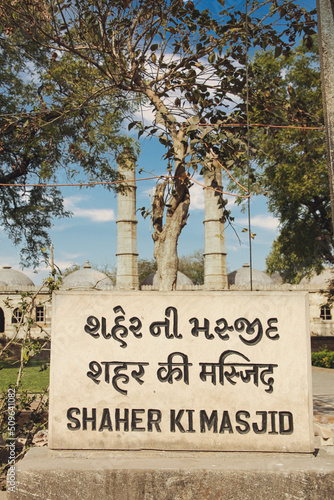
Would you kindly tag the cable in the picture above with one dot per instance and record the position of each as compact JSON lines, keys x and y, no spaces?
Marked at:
{"x":269,"y":125}
{"x":248,"y":158}
{"x":135,"y":180}
{"x":79,"y":184}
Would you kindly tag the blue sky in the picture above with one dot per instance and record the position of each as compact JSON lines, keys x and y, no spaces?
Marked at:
{"x":91,"y":232}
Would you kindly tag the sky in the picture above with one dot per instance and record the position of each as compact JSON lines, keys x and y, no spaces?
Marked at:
{"x":91,"y":233}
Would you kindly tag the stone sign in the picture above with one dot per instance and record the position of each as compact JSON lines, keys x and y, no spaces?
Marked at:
{"x":215,"y":371}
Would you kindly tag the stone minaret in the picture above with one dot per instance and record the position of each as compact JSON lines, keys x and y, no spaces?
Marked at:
{"x":127,"y":267}
{"x":215,"y":277}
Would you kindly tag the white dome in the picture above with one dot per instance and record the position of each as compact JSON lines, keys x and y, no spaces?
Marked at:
{"x":87,"y":279}
{"x":318,"y":280}
{"x":241,"y":277}
{"x":181,"y":280}
{"x":10,"y":277}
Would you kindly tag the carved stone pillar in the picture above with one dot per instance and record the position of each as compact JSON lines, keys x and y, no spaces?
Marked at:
{"x":127,"y":256}
{"x":215,"y":277}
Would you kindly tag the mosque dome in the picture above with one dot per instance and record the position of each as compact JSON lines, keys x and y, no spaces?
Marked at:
{"x":87,"y":279}
{"x":241,"y":277}
{"x":276,"y":278}
{"x":152,"y":279}
{"x":318,"y":280}
{"x":12,"y":278}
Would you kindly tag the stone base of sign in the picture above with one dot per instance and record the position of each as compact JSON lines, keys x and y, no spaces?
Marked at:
{"x":155,"y":475}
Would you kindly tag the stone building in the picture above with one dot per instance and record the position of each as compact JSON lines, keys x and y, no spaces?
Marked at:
{"x":321,"y":312}
{"x":14,"y":285}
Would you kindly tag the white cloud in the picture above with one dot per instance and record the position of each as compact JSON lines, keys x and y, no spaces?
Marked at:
{"x":58,"y":227}
{"x":262,"y":221}
{"x":94,"y":214}
{"x":71,"y":202}
{"x":231,"y":247}
{"x":71,"y":255}
{"x":145,"y":114}
{"x":197,"y":194}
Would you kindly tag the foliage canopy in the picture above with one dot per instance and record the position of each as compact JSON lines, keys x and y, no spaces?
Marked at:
{"x":186,"y":61}
{"x":50,"y":130}
{"x":290,"y":164}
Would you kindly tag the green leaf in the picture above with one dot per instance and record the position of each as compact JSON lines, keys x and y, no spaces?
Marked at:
{"x":212,"y":58}
{"x":163,"y":139}
{"x":132,"y":124}
{"x":278,"y":51}
{"x":25,"y":354}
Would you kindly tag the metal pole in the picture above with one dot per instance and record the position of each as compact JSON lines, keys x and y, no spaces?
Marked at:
{"x":325,"y":10}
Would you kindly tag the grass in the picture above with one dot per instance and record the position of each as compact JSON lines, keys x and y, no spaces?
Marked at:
{"x":34,"y":379}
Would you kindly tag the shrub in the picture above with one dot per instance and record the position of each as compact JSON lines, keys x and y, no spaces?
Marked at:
{"x":324,"y":358}
{"x":22,"y":413}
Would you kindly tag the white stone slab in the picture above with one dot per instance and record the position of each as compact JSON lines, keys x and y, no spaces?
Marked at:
{"x":239,"y":377}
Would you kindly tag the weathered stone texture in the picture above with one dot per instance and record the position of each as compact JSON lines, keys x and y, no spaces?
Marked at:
{"x":173,"y":476}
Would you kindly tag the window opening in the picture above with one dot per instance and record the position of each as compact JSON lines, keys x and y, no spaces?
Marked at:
{"x":325,"y":313}
{"x":39,"y":313}
{"x":2,"y":321}
{"x":17,"y":316}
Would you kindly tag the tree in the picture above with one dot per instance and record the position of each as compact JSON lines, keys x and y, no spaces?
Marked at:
{"x":186,"y":61}
{"x":47,"y":130}
{"x":290,"y":164}
{"x":146,"y":267}
{"x":191,"y":265}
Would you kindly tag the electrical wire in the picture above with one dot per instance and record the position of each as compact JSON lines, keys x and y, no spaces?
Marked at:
{"x":124,"y":181}
{"x":248,"y":156}
{"x":269,"y":125}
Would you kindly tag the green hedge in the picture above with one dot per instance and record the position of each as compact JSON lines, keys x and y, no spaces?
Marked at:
{"x":324,"y":358}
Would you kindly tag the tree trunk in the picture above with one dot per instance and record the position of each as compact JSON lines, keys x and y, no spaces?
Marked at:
{"x":177,"y":201}
{"x":165,"y":245}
